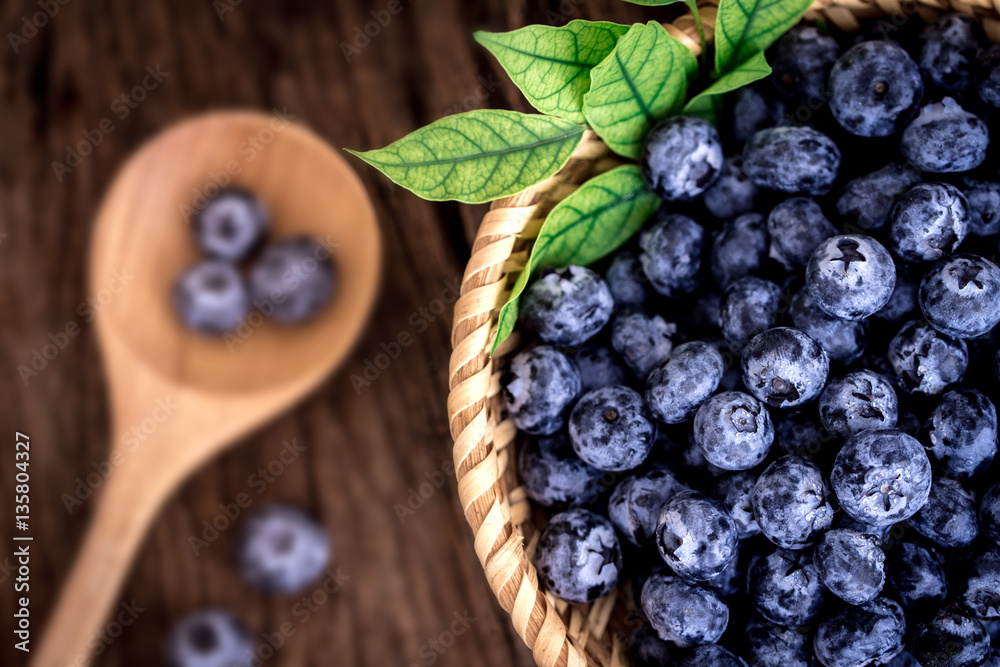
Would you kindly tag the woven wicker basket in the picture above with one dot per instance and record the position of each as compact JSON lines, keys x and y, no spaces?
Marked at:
{"x":497,"y":508}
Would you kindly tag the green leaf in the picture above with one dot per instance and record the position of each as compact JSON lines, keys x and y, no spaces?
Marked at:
{"x":705,"y":103}
{"x":644,"y":80}
{"x":592,"y":222}
{"x":477,"y":156}
{"x":745,"y":27}
{"x":552,"y":66}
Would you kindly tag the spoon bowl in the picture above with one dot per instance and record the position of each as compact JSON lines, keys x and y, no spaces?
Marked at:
{"x":178,"y":398}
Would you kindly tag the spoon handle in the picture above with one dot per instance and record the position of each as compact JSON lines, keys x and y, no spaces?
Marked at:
{"x":122,"y":514}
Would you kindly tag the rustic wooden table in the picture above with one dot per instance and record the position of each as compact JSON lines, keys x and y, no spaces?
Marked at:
{"x":78,"y":92}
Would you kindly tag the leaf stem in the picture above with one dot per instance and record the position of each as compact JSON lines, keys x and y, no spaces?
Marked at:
{"x":693,"y":5}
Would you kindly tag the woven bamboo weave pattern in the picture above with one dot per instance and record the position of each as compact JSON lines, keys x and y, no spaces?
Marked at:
{"x":498,"y":511}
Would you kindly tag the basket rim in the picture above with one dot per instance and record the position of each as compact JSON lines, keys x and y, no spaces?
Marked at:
{"x":498,"y":255}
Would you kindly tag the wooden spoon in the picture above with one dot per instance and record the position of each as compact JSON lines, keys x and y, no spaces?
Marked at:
{"x":178,"y":398}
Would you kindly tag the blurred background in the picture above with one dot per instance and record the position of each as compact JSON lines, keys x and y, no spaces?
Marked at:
{"x":372,"y":459}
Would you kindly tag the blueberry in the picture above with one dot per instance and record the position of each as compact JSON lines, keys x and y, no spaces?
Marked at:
{"x":857,"y":401}
{"x":552,"y":473}
{"x":773,"y":645}
{"x":733,"y":430}
{"x":682,"y":157}
{"x":989,"y":514}
{"x":671,"y":254}
{"x":282,"y":550}
{"x":209,"y":638}
{"x":684,"y":613}
{"x":295,"y":277}
{"x":567,"y":306}
{"x":739,"y":248}
{"x":648,"y":650}
{"x":850,"y":276}
{"x":944,"y":137}
{"x":917,"y":575}
{"x":796,"y":226}
{"x":948,"y":50}
{"x":578,"y":556}
{"x":874,"y":89}
{"x":988,"y":75}
{"x":866,"y":202}
{"x":843,"y":340}
{"x":926,"y":361}
{"x":676,"y":388}
{"x":983,"y":198}
{"x":980,"y":589}
{"x":953,"y":638}
{"x":642,"y":340}
{"x":790,"y":502}
{"x":710,"y":655}
{"x":696,"y":536}
{"x":635,"y":504}
{"x":902,"y":302}
{"x":792,"y":159}
{"x":784,"y":367}
{"x":231,"y":225}
{"x":611,"y":428}
{"x":857,"y":636}
{"x":784,"y":586}
{"x":598,"y":366}
{"x":211,"y":297}
{"x":749,"y":306}
{"x":928,"y":222}
{"x":851,"y":565}
{"x":540,"y":388}
{"x":960,"y":296}
{"x":733,"y":194}
{"x":948,"y":518}
{"x":800,"y":63}
{"x":753,"y":111}
{"x":881,"y":477}
{"x":626,"y":281}
{"x":963,"y":433}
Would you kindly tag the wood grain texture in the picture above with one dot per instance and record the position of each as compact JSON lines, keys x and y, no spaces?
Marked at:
{"x":366,"y":448}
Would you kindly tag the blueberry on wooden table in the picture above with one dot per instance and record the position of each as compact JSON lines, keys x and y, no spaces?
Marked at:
{"x":281,"y":549}
{"x":209,"y":638}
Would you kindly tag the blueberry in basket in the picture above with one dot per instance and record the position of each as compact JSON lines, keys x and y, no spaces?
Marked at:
{"x":770,"y":321}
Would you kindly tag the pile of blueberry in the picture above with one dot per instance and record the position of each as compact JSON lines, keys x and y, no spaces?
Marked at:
{"x":281,"y":550}
{"x":773,"y":414}
{"x":288,"y":280}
